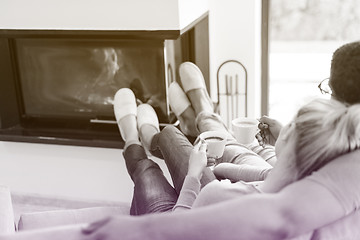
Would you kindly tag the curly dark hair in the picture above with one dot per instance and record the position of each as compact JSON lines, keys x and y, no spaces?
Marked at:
{"x":345,"y":73}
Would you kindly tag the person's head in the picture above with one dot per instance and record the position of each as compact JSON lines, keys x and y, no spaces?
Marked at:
{"x":324,"y":129}
{"x":321,"y":131}
{"x":345,"y":73}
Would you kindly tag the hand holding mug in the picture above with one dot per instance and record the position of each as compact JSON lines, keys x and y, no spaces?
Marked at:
{"x":215,"y":142}
{"x":269,"y":131}
{"x":197,"y":160}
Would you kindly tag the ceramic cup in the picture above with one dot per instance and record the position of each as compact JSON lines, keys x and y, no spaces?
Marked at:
{"x":245,"y":129}
{"x":215,"y":143}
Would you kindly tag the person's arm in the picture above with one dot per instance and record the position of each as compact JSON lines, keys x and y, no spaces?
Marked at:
{"x":188,"y":193}
{"x":192,"y":185}
{"x":240,"y":172}
{"x":297,"y":209}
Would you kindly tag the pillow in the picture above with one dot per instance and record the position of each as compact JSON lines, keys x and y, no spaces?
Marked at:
{"x":36,"y":220}
{"x":7,"y":223}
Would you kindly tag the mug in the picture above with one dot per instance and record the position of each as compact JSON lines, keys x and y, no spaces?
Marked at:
{"x":215,"y":141}
{"x":244,"y":129}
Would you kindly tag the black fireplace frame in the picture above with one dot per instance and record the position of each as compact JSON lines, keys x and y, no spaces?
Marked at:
{"x":14,"y":126}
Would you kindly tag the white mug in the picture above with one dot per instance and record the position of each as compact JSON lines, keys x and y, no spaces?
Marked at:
{"x":215,"y":141}
{"x":245,"y":129}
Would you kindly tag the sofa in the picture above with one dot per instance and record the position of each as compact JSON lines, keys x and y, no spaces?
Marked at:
{"x":346,"y":229}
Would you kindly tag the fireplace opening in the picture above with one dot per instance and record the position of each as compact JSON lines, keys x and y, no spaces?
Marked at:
{"x":78,"y":79}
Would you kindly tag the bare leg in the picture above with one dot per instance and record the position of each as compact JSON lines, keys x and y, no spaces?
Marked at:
{"x":187,"y":122}
{"x":147,"y":123}
{"x":200,"y":101}
{"x":147,"y":133}
{"x":128,"y":129}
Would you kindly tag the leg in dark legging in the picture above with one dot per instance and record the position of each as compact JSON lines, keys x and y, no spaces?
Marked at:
{"x":173,"y":146}
{"x":152,"y":191}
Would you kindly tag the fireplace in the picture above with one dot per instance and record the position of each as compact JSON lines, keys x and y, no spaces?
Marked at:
{"x":57,"y":86}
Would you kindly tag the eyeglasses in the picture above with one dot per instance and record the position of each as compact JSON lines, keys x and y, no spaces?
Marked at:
{"x":324,"y":87}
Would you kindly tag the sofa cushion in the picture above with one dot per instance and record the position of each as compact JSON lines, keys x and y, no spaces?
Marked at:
{"x":36,"y":220}
{"x":7,"y":224}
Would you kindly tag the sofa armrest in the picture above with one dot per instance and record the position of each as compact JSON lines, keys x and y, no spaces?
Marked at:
{"x":37,"y":220}
{"x":7,"y":223}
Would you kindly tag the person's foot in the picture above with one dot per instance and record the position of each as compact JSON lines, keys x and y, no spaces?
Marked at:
{"x":147,"y":124}
{"x":194,"y":86}
{"x":183,"y":110}
{"x":125,"y":113}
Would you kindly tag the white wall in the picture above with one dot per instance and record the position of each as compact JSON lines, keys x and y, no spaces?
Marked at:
{"x":66,"y":171}
{"x":89,"y":14}
{"x":189,"y":10}
{"x":100,"y":15}
{"x":234,"y":28}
